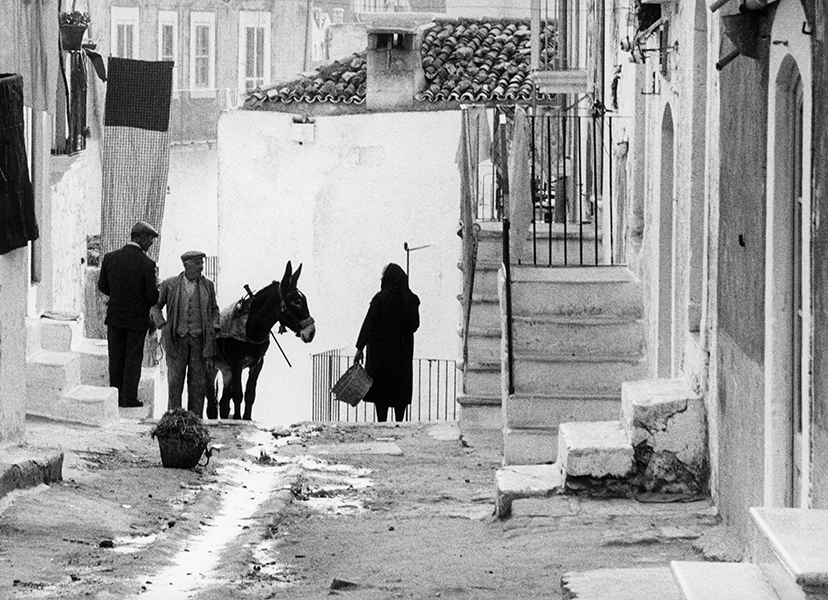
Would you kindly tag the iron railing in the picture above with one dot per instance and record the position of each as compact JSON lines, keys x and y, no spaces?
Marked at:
{"x":572,"y":221}
{"x":434,"y":391}
{"x":570,"y":217}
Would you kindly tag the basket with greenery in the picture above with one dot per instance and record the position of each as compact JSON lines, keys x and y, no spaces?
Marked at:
{"x":75,"y":17}
{"x":182,"y":438}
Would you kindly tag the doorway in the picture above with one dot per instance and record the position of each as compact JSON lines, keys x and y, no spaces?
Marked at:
{"x":666,"y":283}
{"x":787,"y":340}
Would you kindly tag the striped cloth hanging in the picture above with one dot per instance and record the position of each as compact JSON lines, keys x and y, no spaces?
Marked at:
{"x":136,"y":149}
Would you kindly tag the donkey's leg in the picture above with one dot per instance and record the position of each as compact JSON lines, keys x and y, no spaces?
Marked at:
{"x":227,"y":382}
{"x":237,"y":391}
{"x":211,"y":387}
{"x":250,"y":389}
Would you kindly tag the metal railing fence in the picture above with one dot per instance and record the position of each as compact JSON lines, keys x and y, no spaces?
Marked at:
{"x":434,"y":395}
{"x":571,"y":186}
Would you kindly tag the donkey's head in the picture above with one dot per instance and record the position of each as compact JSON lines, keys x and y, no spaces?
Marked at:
{"x":282,"y":302}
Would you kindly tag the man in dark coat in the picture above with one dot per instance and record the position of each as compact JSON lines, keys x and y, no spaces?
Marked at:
{"x":128,"y":278}
{"x":388,"y":334}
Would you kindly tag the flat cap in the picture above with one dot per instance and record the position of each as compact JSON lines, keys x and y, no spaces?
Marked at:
{"x":192,"y":254}
{"x":144,"y":227}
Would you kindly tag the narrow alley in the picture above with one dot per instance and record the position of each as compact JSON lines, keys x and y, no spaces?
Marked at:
{"x":366,"y":511}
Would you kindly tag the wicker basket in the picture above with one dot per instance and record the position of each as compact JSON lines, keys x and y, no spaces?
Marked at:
{"x":177,"y":453}
{"x":352,"y":386}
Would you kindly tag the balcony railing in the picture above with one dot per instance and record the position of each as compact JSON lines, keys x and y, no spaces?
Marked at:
{"x":434,"y":391}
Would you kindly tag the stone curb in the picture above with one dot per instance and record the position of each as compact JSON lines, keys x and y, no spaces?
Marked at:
{"x":30,"y":472}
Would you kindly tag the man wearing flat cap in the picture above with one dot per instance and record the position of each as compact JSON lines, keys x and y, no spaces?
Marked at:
{"x":189,"y":331}
{"x":128,"y":277}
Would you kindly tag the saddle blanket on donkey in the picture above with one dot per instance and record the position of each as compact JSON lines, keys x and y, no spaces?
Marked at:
{"x":233,"y":321}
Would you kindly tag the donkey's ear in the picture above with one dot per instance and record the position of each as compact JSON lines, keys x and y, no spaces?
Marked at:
{"x":295,"y":277}
{"x":283,"y":286}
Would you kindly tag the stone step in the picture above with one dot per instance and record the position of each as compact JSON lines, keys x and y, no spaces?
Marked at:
{"x":668,"y":416}
{"x":60,"y":334}
{"x":482,"y":379}
{"x":576,"y":292}
{"x":721,"y":581}
{"x":791,"y":548}
{"x":549,"y":411}
{"x":585,"y":375}
{"x":542,"y":334}
{"x":480,"y":412}
{"x":48,"y":374}
{"x":86,"y":404}
{"x":94,"y":362}
{"x":597,"y":449}
{"x":649,"y":583}
{"x":484,"y":346}
{"x":485,"y":313}
{"x":486,"y":274}
{"x":548,"y":250}
{"x":524,"y":481}
{"x":490,"y":245}
{"x":529,"y":446}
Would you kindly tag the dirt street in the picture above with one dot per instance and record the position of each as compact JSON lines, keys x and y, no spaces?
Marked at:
{"x":364,"y":511}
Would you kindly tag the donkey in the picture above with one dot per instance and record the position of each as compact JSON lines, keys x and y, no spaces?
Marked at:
{"x":243,"y":341}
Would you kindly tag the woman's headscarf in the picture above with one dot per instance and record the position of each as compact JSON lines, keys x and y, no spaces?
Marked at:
{"x":394,"y":278}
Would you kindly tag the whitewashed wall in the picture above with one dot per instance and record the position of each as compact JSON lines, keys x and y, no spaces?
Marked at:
{"x":343,"y":206}
{"x":13,"y":284}
{"x":190,"y":207}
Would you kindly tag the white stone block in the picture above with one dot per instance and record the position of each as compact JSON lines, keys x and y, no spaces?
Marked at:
{"x":596,"y":449}
{"x":791,"y":547}
{"x":722,"y":581}
{"x":669,"y":416}
{"x":525,"y":481}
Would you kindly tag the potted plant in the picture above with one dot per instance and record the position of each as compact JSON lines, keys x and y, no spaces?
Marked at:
{"x":73,"y":25}
{"x":182,"y":439}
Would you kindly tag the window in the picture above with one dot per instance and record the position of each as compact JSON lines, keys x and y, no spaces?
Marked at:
{"x":168,"y":40}
{"x":124,"y":43}
{"x":254,"y":49}
{"x":202,"y":54}
{"x":381,"y":6}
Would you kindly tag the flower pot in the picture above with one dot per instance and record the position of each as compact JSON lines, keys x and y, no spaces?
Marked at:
{"x":71,"y":36}
{"x":178,"y":453}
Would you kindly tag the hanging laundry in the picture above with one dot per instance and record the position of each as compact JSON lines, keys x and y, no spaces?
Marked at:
{"x":136,"y":148}
{"x":18,"y":225}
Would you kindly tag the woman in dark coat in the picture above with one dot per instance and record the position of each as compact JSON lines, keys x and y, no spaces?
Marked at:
{"x":388,"y":335}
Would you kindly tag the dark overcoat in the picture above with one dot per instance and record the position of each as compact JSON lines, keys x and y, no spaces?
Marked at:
{"x":128,"y":278}
{"x":387,"y":334}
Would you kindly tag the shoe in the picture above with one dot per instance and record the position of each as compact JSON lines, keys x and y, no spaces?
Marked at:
{"x":131,"y":404}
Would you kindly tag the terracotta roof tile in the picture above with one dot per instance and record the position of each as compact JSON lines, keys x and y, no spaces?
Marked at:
{"x":464,"y":60}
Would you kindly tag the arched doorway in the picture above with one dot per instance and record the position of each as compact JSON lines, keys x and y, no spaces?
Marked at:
{"x":787,"y":339}
{"x":666,"y":283}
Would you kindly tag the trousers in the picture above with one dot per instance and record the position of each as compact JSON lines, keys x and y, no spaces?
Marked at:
{"x":126,"y":353}
{"x":188,"y":364}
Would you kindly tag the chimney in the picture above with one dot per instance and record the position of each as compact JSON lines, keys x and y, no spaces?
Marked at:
{"x":395,"y":70}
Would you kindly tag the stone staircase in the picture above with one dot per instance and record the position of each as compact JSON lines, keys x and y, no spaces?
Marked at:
{"x":577,"y":335}
{"x":788,"y":561}
{"x":481,"y":401}
{"x":68,"y":375}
